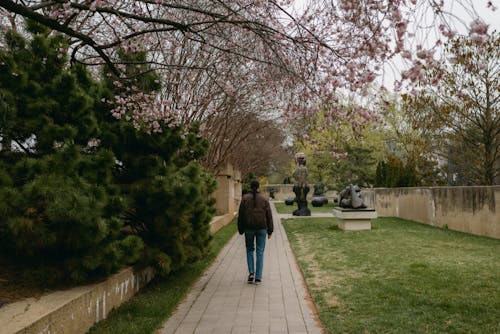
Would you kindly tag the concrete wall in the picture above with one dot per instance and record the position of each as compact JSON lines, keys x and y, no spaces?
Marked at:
{"x":238,"y":188}
{"x":72,"y":311}
{"x":227,"y":196}
{"x":284,"y":191}
{"x":219,"y":222}
{"x":474,"y":210}
{"x":228,"y":192}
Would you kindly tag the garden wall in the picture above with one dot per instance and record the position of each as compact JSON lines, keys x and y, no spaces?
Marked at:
{"x":72,"y":311}
{"x":474,"y":210}
{"x":228,"y":192}
{"x":283,"y":191}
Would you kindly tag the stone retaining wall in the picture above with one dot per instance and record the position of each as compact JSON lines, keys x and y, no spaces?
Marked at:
{"x":474,"y":210}
{"x":72,"y":311}
{"x":219,"y":222}
{"x":228,"y":192}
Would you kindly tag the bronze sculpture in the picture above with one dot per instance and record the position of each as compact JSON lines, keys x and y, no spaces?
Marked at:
{"x":350,"y":198}
{"x":319,"y":198}
{"x":300,"y":187}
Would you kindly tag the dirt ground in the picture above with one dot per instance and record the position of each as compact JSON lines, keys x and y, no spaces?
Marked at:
{"x":14,"y":286}
{"x":12,"y":289}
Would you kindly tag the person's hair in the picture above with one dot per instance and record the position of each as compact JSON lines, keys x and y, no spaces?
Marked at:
{"x":254,"y":185}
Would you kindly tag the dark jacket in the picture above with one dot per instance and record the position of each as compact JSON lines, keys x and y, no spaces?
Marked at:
{"x":256,"y":216}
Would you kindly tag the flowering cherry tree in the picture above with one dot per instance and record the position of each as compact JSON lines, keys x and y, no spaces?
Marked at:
{"x":209,"y":54}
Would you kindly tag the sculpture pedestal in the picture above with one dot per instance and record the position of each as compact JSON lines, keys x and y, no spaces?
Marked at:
{"x":354,"y":219}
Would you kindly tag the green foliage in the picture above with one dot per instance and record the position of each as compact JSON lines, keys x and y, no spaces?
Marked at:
{"x":356,"y":167}
{"x":58,"y":225}
{"x":396,"y":173}
{"x":338,"y":155}
{"x":408,"y":158}
{"x":83,"y":193}
{"x":167,"y":190}
{"x":60,"y":220}
{"x":171,"y":213}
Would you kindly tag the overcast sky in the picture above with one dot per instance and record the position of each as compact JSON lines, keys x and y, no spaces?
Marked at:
{"x":480,"y":8}
{"x":492,"y":18}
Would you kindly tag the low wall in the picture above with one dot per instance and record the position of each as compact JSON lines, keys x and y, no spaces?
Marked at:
{"x":474,"y":210}
{"x":72,"y":311}
{"x":228,"y":192}
{"x":284,"y":191}
{"x":219,"y":222}
{"x":75,"y":310}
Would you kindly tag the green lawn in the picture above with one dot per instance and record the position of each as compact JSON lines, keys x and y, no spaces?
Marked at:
{"x":283,"y":208}
{"x":400,"y":277}
{"x":146,"y":311}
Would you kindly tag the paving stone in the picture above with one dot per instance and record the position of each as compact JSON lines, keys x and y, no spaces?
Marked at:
{"x":241,"y":330}
{"x":223,"y":302}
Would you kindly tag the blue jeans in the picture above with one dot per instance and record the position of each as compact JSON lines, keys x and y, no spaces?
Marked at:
{"x":255,"y":238}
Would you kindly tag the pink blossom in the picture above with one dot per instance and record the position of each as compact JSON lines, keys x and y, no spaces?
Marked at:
{"x":478,"y":27}
{"x":477,"y":38}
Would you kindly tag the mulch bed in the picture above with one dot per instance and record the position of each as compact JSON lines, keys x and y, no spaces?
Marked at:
{"x":13,"y":288}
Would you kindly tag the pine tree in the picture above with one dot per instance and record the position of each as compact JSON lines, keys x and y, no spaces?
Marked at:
{"x":82,"y":193}
{"x":168,"y":191}
{"x":60,"y":217}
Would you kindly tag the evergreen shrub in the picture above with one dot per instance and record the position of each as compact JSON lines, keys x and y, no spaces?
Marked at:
{"x":82,"y":193}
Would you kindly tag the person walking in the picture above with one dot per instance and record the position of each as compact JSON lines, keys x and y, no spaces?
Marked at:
{"x":256,"y":222}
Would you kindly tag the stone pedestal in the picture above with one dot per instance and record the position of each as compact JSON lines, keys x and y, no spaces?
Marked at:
{"x":354,"y":219}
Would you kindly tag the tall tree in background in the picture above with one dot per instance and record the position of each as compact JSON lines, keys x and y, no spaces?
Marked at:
{"x":462,"y":112}
{"x":338,"y":153}
{"x":409,"y":159}
{"x":245,"y":139}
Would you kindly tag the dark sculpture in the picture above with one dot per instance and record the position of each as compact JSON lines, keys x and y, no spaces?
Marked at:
{"x":319,"y":189}
{"x":350,"y":198}
{"x":289,"y":201}
{"x":300,"y":187}
{"x":319,"y":198}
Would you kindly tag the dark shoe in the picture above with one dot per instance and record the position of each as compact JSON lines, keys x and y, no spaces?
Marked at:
{"x":251,"y":277}
{"x":258,"y":281}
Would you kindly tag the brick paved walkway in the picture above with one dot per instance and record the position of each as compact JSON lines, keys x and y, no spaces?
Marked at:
{"x":222,"y":302}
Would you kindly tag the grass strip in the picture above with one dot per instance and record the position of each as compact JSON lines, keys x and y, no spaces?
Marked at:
{"x":289,"y":209}
{"x":400,"y":277}
{"x":147,"y":310}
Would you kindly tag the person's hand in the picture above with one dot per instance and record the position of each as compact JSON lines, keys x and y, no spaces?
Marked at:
{"x":269,"y":236}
